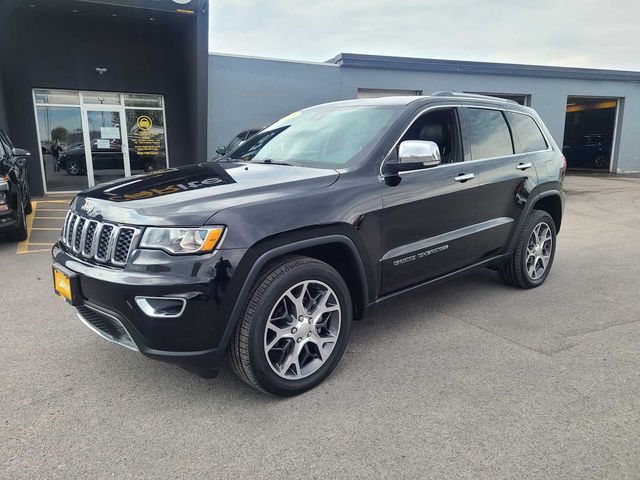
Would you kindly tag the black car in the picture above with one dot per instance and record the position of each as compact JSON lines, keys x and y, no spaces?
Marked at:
{"x":592,"y":151}
{"x":73,"y":159}
{"x":268,"y":255}
{"x":15,"y":199}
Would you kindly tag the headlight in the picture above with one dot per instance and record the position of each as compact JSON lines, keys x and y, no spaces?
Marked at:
{"x":182,"y":240}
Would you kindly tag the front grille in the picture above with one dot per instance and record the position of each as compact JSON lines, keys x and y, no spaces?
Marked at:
{"x":101,"y":242}
{"x":106,"y":325}
{"x":121,"y":252}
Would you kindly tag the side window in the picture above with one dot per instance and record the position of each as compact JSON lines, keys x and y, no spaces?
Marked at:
{"x":441,"y":127}
{"x":490,"y":136}
{"x":527,"y":132}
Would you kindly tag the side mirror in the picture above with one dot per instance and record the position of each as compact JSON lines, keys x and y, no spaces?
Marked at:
{"x":19,"y":152}
{"x":221,"y":150}
{"x":419,"y":153}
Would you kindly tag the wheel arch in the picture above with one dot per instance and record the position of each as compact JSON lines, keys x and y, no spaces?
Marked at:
{"x":552,"y":204}
{"x":337,"y":250}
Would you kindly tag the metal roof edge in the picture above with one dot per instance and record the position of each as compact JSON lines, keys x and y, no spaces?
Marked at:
{"x":354,"y":60}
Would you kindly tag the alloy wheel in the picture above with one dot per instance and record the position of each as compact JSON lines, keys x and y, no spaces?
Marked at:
{"x":73,"y":168}
{"x":302,"y":329}
{"x":539,"y":250}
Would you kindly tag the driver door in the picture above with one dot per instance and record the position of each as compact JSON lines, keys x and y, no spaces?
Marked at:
{"x":428,"y":217}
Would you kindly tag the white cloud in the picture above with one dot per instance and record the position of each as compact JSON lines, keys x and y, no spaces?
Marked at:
{"x":584,"y":33}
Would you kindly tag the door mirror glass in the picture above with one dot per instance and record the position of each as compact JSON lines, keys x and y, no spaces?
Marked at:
{"x":221,"y":150}
{"x":19,"y":152}
{"x":419,"y":153}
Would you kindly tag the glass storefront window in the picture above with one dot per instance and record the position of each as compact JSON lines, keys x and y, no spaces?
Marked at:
{"x":125,"y":135}
{"x":61,"y":97}
{"x":100,"y":98}
{"x":62,"y":148}
{"x":142,"y":100}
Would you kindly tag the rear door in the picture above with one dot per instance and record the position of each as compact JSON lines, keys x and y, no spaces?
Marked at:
{"x":506,"y":176}
{"x":428,"y":216}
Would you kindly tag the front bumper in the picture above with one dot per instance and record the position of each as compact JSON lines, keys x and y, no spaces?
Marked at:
{"x":8,"y":221}
{"x":194,"y":340}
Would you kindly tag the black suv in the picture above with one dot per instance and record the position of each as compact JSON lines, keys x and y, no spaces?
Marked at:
{"x":269,"y":253}
{"x":15,"y":199}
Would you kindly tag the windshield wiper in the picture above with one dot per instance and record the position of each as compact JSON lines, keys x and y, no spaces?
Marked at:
{"x":272,"y":162}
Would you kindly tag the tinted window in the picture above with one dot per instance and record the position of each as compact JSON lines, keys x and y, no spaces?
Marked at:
{"x":527,"y":131}
{"x":490,"y":135}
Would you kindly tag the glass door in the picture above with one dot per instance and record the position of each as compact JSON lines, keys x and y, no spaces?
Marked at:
{"x":105,"y":144}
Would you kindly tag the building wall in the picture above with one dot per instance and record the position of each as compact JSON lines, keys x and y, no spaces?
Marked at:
{"x":62,"y":50}
{"x":245,"y":92}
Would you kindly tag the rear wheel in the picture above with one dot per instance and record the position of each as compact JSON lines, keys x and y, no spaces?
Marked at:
{"x":73,"y":166}
{"x":600,"y":161}
{"x":533,"y":256}
{"x":294,"y":328}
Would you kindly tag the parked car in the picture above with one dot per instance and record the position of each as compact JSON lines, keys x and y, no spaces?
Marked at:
{"x":267,"y":255}
{"x":593,"y":151}
{"x":15,"y":199}
{"x":73,"y":159}
{"x":238,"y":140}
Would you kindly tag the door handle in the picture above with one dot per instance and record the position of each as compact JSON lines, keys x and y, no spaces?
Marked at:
{"x":463,"y":177}
{"x":523,"y":166}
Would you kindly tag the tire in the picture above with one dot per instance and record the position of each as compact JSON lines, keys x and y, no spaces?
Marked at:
{"x":72,"y":167}
{"x":28,"y":209}
{"x":270,"y":303}
{"x":517,"y":271}
{"x":600,"y":161}
{"x":20,"y":233}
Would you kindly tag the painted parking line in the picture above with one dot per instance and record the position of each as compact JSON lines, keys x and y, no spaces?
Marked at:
{"x":46,"y":218}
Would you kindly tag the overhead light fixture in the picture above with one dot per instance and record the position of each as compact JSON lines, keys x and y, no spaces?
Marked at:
{"x":114,"y":14}
{"x":101,"y":70}
{"x":151,"y":19}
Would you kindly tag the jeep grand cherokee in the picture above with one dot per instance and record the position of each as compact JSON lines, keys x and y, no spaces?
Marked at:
{"x":267,"y":254}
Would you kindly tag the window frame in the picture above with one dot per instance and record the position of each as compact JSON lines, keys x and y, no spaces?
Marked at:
{"x":472,"y":133}
{"x":464,"y":144}
{"x":515,"y":134}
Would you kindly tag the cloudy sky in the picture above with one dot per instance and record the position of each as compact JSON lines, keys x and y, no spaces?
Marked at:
{"x":581,"y":33}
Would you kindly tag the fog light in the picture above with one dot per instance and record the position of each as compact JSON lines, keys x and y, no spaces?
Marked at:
{"x":161,"y":307}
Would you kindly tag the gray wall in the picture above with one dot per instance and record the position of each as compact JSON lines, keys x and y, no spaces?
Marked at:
{"x":246,"y":92}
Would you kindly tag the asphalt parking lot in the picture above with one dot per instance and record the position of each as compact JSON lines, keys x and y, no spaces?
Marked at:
{"x":466,"y":379}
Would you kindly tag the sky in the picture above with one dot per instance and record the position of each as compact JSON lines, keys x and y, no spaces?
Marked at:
{"x":584,"y":33}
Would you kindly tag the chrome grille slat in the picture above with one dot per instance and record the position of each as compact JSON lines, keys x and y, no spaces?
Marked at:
{"x":105,"y":243}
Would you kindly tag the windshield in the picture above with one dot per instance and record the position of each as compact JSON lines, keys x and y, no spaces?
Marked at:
{"x":323,"y":137}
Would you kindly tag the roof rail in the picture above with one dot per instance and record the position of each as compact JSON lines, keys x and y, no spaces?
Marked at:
{"x":471,"y":95}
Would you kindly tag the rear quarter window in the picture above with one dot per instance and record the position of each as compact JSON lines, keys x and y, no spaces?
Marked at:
{"x":490,"y":136}
{"x":527,"y":131}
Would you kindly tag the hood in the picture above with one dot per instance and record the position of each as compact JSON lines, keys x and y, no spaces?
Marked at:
{"x":190,"y":195}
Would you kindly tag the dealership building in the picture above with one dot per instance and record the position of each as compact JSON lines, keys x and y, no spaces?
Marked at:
{"x":128,"y":86}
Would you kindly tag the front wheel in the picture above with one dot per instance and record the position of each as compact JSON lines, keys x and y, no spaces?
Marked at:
{"x":533,"y":256}
{"x":20,"y":233}
{"x":294,"y":328}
